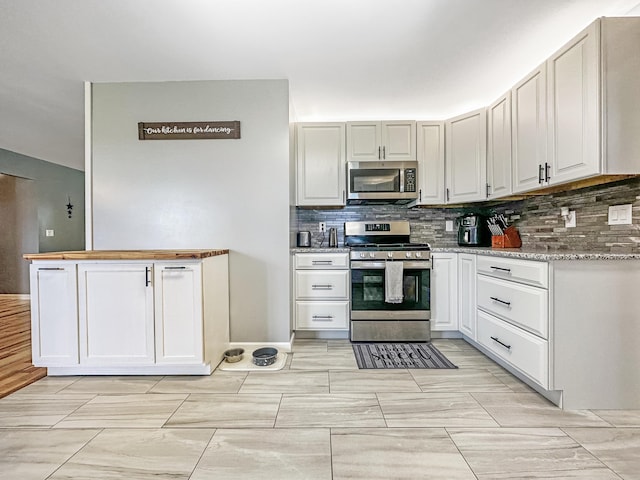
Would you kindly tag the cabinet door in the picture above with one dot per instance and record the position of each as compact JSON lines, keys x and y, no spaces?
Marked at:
{"x":321,"y":164}
{"x":399,"y":140}
{"x":364,"y":141}
{"x":499,"y":148}
{"x":444,"y":291}
{"x":467,"y":294}
{"x":430,"y":154}
{"x":116,"y":314}
{"x":573,"y":111}
{"x":54,"y":315}
{"x":529,"y":128}
{"x":466,"y":157}
{"x":178,"y":313}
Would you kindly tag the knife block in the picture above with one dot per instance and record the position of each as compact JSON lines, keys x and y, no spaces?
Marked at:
{"x":510,"y":239}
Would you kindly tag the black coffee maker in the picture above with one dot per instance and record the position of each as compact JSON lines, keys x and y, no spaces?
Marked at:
{"x":473,"y":231}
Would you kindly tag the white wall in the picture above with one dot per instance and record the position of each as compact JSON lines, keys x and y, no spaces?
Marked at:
{"x":177,"y":194}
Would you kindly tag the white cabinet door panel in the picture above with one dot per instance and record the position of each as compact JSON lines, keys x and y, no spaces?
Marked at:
{"x":526,"y":352}
{"x":116,"y":314}
{"x":430,"y":153}
{"x":467,"y":294}
{"x":522,"y":305}
{"x":499,"y":148}
{"x":322,"y":284}
{"x":523,"y":271}
{"x":54,"y":315}
{"x":178,"y":313}
{"x":444,"y":291}
{"x":399,"y":141}
{"x":322,"y":315}
{"x":364,"y":141}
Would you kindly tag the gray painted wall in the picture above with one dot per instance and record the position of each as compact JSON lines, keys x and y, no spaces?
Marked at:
{"x":178,"y":194}
{"x":53,"y":185}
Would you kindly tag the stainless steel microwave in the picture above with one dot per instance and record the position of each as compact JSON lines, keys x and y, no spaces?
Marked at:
{"x":381,"y":182}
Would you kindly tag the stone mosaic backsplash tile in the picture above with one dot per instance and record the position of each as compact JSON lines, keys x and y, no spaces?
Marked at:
{"x":540,"y":223}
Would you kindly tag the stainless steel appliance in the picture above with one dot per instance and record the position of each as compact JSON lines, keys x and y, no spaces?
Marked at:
{"x":333,"y":238}
{"x":373,"y":246}
{"x":381,"y":182}
{"x":473,"y":231}
{"x":304,"y":239}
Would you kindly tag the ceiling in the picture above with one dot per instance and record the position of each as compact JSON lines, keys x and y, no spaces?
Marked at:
{"x":344,"y":59}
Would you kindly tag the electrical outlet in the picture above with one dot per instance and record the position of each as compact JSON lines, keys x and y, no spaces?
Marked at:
{"x":620,"y":214}
{"x":322,"y":227}
{"x":570,"y":219}
{"x":49,"y":233}
{"x":448,"y":225}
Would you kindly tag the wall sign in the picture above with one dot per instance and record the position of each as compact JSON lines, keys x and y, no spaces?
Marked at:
{"x":188,"y":130}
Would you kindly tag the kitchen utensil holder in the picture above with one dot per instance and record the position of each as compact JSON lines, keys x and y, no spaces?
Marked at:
{"x":510,"y":239}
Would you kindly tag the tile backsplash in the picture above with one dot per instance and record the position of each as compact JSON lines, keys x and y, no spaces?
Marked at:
{"x":540,"y":223}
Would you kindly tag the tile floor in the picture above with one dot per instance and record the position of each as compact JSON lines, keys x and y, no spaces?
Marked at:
{"x":319,"y":418}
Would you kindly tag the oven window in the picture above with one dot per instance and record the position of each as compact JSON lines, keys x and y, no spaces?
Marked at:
{"x":375,"y":180}
{"x":367,"y":290}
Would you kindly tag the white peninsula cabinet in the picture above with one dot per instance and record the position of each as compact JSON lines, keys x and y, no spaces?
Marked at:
{"x":320,"y":164}
{"x":499,"y":148}
{"x":129,"y":312}
{"x":391,"y":141}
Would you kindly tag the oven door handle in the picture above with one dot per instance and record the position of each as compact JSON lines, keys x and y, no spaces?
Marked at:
{"x":407,"y":265}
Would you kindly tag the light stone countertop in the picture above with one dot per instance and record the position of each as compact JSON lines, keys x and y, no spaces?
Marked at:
{"x":524,"y":253}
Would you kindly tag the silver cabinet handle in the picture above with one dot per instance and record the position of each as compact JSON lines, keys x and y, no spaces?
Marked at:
{"x":379,"y":157}
{"x":322,"y":262}
{"x":496,"y":299}
{"x":175,"y":268}
{"x":322,"y":318}
{"x":495,"y":339}
{"x":147,"y":280}
{"x":384,"y":153}
{"x":50,"y":268}
{"x":507,"y":270}
{"x":322,"y":287}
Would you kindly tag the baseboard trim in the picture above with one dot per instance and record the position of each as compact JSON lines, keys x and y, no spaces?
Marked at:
{"x":200,"y":369}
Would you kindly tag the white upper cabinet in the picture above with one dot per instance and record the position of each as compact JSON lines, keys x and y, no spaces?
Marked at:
{"x":529,"y":129}
{"x":390,"y":141}
{"x":466,"y":157}
{"x":321,"y":164}
{"x":430,"y":151}
{"x":499,"y":148}
{"x":573,"y":109}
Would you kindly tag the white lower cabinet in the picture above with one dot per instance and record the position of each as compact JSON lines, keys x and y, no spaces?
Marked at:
{"x":143,"y":317}
{"x":116,"y":314}
{"x":321,"y":291}
{"x":54,"y":315}
{"x":444,"y":291}
{"x":513,"y":314}
{"x":467,"y":294}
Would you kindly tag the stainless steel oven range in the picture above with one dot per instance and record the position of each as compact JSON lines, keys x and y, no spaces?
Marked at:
{"x":390,"y":283}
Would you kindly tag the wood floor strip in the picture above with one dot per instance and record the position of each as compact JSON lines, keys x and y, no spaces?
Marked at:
{"x":16,"y":369}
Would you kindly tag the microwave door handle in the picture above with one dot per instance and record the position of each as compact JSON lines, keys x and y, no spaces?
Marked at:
{"x":402,"y":180}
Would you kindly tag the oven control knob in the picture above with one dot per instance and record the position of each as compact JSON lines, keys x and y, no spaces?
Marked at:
{"x":390,"y":254}
{"x":362,"y":254}
{"x":418,"y":254}
{"x":407,"y":254}
{"x":372,"y":255}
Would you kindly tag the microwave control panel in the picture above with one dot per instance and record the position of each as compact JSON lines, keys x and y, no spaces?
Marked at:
{"x":410,"y":180}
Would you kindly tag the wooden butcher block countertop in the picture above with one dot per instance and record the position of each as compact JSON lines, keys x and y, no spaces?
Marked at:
{"x":126,"y":255}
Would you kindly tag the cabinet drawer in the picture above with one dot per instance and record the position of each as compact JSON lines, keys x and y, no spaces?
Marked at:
{"x":514,"y":269}
{"x":525,"y":306}
{"x":322,"y":261}
{"x":526,"y":352}
{"x":322,"y":315}
{"x":318,"y":285}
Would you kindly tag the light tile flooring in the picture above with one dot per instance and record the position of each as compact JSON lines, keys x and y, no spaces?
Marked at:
{"x":319,"y":418}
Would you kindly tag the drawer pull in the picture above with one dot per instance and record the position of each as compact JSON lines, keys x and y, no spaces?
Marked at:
{"x":322,"y":318}
{"x":50,"y":268}
{"x":495,"y":299}
{"x":495,"y":339}
{"x":322,"y":262}
{"x":175,"y":268}
{"x":508,"y":270}
{"x":321,"y":287}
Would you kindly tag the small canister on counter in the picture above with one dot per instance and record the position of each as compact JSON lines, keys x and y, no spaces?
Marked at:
{"x":304,"y":239}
